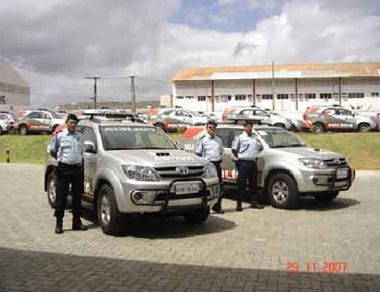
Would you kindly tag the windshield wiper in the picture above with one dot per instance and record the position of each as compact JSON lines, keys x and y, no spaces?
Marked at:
{"x":288,"y":145}
{"x":162,"y":148}
{"x":121,"y":148}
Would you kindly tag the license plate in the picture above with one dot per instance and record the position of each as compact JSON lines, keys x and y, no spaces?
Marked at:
{"x":342,"y":173}
{"x":189,"y":188}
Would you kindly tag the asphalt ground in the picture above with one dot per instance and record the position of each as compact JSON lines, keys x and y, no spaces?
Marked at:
{"x":318,"y":247}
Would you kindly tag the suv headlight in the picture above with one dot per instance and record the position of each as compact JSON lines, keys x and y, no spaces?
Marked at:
{"x":141,"y":173}
{"x":210,"y":171}
{"x":313,"y":163}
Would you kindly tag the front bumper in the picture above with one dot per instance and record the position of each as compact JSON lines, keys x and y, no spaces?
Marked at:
{"x":326,"y":180}
{"x":160,"y":196}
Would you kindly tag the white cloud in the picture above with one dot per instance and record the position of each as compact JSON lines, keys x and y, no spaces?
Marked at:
{"x":303,"y":31}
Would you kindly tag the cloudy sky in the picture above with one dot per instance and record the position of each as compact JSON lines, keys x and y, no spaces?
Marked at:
{"x":56,"y":43}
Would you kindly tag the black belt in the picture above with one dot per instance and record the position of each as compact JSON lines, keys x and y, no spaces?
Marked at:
{"x":246,"y":160}
{"x":69,"y":165}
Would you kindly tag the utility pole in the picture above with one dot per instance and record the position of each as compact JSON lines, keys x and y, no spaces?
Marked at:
{"x":274,"y":101}
{"x":95,"y":78}
{"x":133,"y":94}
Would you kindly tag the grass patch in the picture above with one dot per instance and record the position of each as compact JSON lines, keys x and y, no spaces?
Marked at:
{"x":362,"y":150}
{"x":24,"y":149}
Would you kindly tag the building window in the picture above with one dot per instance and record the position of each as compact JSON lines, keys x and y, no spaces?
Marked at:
{"x":189,"y":96}
{"x":179,"y":97}
{"x":240,"y":97}
{"x":282,"y":96}
{"x":310,"y":96}
{"x":355,"y":95}
{"x":300,"y":96}
{"x":201,"y":98}
{"x":325,"y":96}
{"x":267,"y":96}
{"x":225,"y":98}
{"x":374,"y":94}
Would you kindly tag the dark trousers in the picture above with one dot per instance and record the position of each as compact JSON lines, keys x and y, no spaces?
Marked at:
{"x":68,"y":174}
{"x":247,"y":174}
{"x":219,"y":173}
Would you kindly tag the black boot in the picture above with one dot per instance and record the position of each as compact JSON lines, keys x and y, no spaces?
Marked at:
{"x":239,"y":208}
{"x":217,"y":208}
{"x":256,"y":205}
{"x":77,"y":225}
{"x":59,"y":227}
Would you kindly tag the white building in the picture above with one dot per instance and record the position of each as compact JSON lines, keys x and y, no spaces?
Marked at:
{"x":295,"y":87}
{"x":14,"y":90}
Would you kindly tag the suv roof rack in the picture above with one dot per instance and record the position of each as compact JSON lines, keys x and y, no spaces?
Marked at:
{"x":114,"y":116}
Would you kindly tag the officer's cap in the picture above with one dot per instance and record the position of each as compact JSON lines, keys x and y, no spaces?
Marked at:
{"x":212,"y":123}
{"x":248,"y":123}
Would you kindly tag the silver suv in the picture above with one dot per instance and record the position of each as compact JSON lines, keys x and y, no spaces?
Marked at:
{"x":135,"y":168}
{"x":39,"y":121}
{"x":287,"y":168}
{"x":258,"y":116}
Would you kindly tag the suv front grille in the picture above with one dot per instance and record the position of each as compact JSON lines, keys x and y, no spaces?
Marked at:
{"x":335,"y":162}
{"x":173,"y":171}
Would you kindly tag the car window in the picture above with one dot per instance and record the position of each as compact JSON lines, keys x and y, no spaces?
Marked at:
{"x":226,"y":135}
{"x":260,"y":113}
{"x":247,"y":112}
{"x":89,"y":135}
{"x":330,"y":111}
{"x":344,"y":112}
{"x":34,"y":115}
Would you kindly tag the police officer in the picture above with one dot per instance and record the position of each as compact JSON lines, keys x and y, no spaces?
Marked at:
{"x":245,"y":148}
{"x":210,"y":147}
{"x":67,"y":147}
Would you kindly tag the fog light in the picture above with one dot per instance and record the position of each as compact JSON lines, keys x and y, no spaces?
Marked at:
{"x":143,"y":197}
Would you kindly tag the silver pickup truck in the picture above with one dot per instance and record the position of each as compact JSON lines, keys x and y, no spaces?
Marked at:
{"x":287,"y":168}
{"x":135,"y":168}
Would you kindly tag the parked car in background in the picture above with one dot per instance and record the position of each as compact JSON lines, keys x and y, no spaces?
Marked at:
{"x":257,"y":115}
{"x":7,"y":123}
{"x":294,"y":117}
{"x":39,"y":121}
{"x":334,"y":118}
{"x":172,"y":119}
{"x":287,"y":168}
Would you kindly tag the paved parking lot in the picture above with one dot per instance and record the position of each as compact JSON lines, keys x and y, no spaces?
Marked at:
{"x":247,"y":251}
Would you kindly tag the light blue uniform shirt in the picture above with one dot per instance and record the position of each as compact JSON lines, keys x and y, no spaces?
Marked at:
{"x":247,"y":147}
{"x":210,"y":148}
{"x":69,"y":147}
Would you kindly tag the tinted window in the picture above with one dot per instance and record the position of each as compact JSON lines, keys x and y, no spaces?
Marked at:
{"x":89,"y":135}
{"x":35,"y":115}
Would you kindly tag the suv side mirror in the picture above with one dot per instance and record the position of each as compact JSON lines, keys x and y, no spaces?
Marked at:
{"x":89,"y":147}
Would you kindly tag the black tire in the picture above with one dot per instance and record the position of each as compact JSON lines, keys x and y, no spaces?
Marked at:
{"x":23,"y":130}
{"x":319,"y":128}
{"x":197,"y":216}
{"x":109,"y":217}
{"x":50,"y":189}
{"x":161,"y":126}
{"x":280,"y":125}
{"x":327,"y":197}
{"x":1,"y":131}
{"x":364,"y":127}
{"x":51,"y":193}
{"x":283,"y":191}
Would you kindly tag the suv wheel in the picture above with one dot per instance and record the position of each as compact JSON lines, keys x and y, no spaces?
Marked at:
{"x":23,"y":130}
{"x":51,"y":194}
{"x":197,"y":216}
{"x":1,"y":130}
{"x":327,"y":196}
{"x":282,"y":191}
{"x":109,"y":216}
{"x":280,"y":125}
{"x":319,"y":128}
{"x":364,"y":127}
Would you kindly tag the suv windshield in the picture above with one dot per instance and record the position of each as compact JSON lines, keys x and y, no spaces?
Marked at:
{"x":279,"y":138}
{"x":132,"y":137}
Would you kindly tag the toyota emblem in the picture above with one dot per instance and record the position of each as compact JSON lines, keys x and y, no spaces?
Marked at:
{"x":182,"y":170}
